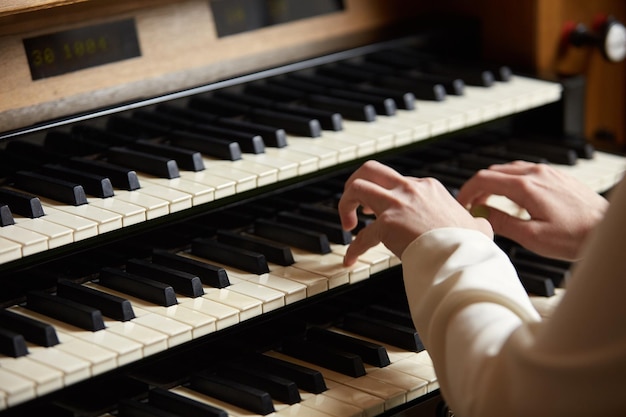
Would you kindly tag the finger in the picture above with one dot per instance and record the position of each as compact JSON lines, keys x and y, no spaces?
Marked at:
{"x":514,"y":167}
{"x":376,"y":172}
{"x":490,"y":182}
{"x":508,"y":226}
{"x":361,"y":192}
{"x":367,"y":238}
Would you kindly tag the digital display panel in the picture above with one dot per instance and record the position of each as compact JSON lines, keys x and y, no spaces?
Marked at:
{"x":72,"y":50}
{"x":236,"y":16}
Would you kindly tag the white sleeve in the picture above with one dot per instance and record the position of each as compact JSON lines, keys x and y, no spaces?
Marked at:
{"x":493,"y":354}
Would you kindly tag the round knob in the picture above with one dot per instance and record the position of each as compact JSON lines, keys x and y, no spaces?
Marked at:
{"x":613,"y":38}
{"x":608,"y":35}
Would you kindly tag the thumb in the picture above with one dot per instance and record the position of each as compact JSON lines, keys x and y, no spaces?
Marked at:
{"x":502,"y":223}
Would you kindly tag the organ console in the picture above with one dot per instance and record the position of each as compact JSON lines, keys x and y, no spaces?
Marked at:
{"x":170,"y":243}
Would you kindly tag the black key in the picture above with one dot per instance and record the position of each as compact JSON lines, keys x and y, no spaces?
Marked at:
{"x":321,"y":354}
{"x":182,"y":282}
{"x":56,"y":189}
{"x":403,"y":100}
{"x":243,"y":259}
{"x":387,"y":332}
{"x":110,"y":305}
{"x":308,"y":379}
{"x":292,"y":235}
{"x":250,"y":143}
{"x":553,"y":153}
{"x":21,"y":203}
{"x":121,"y":177}
{"x":35,"y":331}
{"x":351,"y":109}
{"x":424,"y":90}
{"x":371,"y":353}
{"x":536,"y":284}
{"x":279,"y":388}
{"x":141,"y":161}
{"x":233,"y":392}
{"x":101,"y":136}
{"x":328,"y":120}
{"x":384,"y":105}
{"x":505,"y":154}
{"x":64,"y":143}
{"x":185,"y":158}
{"x":330,"y":214}
{"x":136,"y":128}
{"x":219,"y":148}
{"x":68,"y":311}
{"x":274,"y":252}
{"x":134,"y":408}
{"x":517,"y":253}
{"x":6,"y":217}
{"x":33,"y":151}
{"x":476,"y":162}
{"x":219,"y":106}
{"x":212,"y":275}
{"x":140,"y":287}
{"x":334,"y":231}
{"x":298,"y":125}
{"x":12,"y":343}
{"x":93,"y":184}
{"x":557,"y":274}
{"x":272,"y":136}
{"x":390,"y":314}
{"x":181,"y":405}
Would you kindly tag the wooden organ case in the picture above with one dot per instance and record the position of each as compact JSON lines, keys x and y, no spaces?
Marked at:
{"x":170,"y":169}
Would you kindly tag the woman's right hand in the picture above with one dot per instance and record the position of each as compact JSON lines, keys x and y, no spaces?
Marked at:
{"x":562,"y":210}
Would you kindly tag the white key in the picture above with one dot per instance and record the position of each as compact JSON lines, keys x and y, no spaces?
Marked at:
{"x":307,"y":163}
{"x":176,"y":199}
{"x":131,"y":213}
{"x":286,"y":168}
{"x":225,"y":316}
{"x":16,"y":389}
{"x":243,"y":180}
{"x":83,"y":228}
{"x":57,"y":234}
{"x":325,"y":156}
{"x":248,"y":307}
{"x":30,"y":242}
{"x":331,"y":266}
{"x":199,"y":193}
{"x":107,"y":220}
{"x":9,"y":250}
{"x":314,"y":283}
{"x":222,"y":187}
{"x":101,"y":359}
{"x":264,"y":174}
{"x":154,"y":206}
{"x":46,"y":378}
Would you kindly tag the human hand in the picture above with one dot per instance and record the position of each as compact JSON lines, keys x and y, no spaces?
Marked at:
{"x":562,"y":210}
{"x":405,"y":208}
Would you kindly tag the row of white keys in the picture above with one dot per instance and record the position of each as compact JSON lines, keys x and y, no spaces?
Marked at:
{"x":417,"y":364}
{"x":600,"y":173}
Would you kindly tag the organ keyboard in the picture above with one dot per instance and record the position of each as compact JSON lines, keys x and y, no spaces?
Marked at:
{"x":181,"y":254}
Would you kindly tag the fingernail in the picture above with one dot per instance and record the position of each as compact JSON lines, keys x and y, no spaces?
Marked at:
{"x":480,"y":211}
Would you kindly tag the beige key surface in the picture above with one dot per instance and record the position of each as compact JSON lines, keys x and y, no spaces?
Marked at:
{"x":46,"y":378}
{"x":58,"y":235}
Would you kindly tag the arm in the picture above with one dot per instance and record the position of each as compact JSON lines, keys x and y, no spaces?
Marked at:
{"x":492,"y":356}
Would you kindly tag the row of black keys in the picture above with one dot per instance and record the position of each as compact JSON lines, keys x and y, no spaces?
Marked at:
{"x":235,"y":370}
{"x":223,"y":126}
{"x":158,"y":280}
